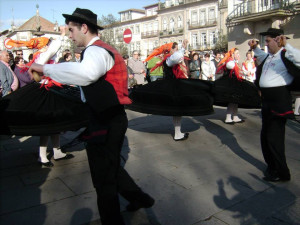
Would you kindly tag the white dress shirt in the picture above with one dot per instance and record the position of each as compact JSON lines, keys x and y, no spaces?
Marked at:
{"x":96,"y":62}
{"x":274,"y":72}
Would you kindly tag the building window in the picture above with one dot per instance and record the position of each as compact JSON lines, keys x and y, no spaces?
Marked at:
{"x":179,"y":22}
{"x":194,"y":17}
{"x":145,"y":28}
{"x":138,"y":46}
{"x":211,"y":16}
{"x":156,"y":44}
{"x":165,"y":24}
{"x":202,"y":17}
{"x":149,"y":27}
{"x":194,"y":40}
{"x":155,"y":27}
{"x":137,"y":29}
{"x":150,"y":46}
{"x":212,"y":38}
{"x":172,"y":24}
{"x":203,"y":39}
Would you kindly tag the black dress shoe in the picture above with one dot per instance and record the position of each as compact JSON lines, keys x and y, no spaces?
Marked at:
{"x":143,"y":201}
{"x":185,"y":136}
{"x":276,"y":178}
{"x":241,"y":121}
{"x":47,"y":164}
{"x":231,"y":123}
{"x":67,"y":156}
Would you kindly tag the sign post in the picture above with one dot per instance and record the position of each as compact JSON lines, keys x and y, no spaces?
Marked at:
{"x":127,"y":37}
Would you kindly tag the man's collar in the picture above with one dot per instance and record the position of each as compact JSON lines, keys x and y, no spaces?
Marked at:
{"x":93,"y":40}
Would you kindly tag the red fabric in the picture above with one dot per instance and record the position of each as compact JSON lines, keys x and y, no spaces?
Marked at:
{"x":117,"y":75}
{"x":235,"y":69}
{"x":179,"y":70}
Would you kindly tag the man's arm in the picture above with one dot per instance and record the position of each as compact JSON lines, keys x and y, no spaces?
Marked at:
{"x":6,"y":89}
{"x":96,"y":62}
{"x":260,"y":54}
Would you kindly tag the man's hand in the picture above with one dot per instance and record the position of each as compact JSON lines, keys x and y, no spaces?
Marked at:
{"x":281,"y":40}
{"x":35,"y":71}
{"x":253,"y":43}
{"x":184,"y":43}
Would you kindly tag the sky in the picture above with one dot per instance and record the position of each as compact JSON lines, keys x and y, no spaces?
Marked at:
{"x":22,"y":10}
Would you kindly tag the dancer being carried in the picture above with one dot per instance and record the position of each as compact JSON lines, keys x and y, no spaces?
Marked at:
{"x":175,"y":95}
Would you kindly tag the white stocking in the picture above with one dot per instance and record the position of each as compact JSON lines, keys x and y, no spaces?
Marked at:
{"x":57,"y":153}
{"x":297,"y":105}
{"x":43,"y":149}
{"x":177,"y":127}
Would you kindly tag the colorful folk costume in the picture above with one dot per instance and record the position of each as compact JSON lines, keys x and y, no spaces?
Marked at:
{"x":249,"y":67}
{"x":175,"y":95}
{"x":42,"y":108}
{"x":232,"y":88}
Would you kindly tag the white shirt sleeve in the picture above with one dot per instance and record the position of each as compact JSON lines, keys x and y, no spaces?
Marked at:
{"x":293,"y":54}
{"x":51,"y":51}
{"x":96,"y":62}
{"x":230,"y":65}
{"x":260,"y":55}
{"x":175,"y":58}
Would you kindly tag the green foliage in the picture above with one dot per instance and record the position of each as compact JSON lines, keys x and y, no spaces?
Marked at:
{"x":222,"y":43}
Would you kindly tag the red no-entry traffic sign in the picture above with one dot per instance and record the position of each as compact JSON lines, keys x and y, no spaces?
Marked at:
{"x":127,"y":36}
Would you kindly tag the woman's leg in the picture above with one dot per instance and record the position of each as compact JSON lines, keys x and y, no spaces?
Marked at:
{"x":57,"y":153}
{"x":43,"y":149}
{"x":297,"y":105}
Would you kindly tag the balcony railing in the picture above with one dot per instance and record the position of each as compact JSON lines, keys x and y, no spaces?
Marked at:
{"x":170,"y":32}
{"x":199,"y":24}
{"x":258,"y":6}
{"x":164,"y":5}
{"x":202,"y":47}
{"x":148,"y":34}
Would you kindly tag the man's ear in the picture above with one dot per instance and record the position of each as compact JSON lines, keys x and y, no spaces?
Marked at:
{"x":84,"y":28}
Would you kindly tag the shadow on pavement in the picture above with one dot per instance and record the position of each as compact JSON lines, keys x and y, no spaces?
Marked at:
{"x":265,"y":208}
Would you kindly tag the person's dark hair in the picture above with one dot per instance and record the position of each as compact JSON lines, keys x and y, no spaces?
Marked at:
{"x":207,"y":55}
{"x":174,"y":45}
{"x":78,"y":24}
{"x":17,"y":59}
{"x":67,"y":55}
{"x":195,"y":54}
{"x":125,"y":57}
{"x":30,"y":57}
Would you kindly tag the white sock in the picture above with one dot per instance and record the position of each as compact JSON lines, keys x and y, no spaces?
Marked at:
{"x":57,"y":153}
{"x":228,"y":118}
{"x":297,"y":106}
{"x":43,"y":154}
{"x":177,"y":127}
{"x":229,"y":112}
{"x":235,"y":117}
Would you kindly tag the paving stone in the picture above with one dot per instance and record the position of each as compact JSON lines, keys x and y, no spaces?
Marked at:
{"x":13,"y":200}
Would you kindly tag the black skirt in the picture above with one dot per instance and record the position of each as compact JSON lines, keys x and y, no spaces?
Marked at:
{"x":32,"y":110}
{"x":231,"y":90}
{"x":173,"y":97}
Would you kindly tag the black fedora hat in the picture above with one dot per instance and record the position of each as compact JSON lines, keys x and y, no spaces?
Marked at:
{"x":273,"y":32}
{"x":85,"y":16}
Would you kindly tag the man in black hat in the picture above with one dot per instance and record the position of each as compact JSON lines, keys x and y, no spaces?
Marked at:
{"x":102,"y":77}
{"x":273,"y":81}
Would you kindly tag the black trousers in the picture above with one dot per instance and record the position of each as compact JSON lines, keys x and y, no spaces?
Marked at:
{"x":109,"y":178}
{"x":273,"y":142}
